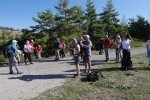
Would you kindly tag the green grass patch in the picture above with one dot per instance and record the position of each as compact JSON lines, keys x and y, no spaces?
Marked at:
{"x":117,"y":84}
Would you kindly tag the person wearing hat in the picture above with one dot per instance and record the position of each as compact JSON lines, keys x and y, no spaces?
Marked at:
{"x":118,"y":47}
{"x":13,"y":59}
{"x":86,"y":51}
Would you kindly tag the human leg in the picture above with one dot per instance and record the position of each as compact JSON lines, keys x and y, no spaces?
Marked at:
{"x":10,"y":65}
{"x":15,"y":62}
{"x":106,"y":54}
{"x":77,"y":61}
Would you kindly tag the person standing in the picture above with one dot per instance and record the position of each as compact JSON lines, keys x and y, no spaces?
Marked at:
{"x":62,"y":49}
{"x":107,"y":44}
{"x":87,"y":45}
{"x":14,"y":57}
{"x":81,"y":49}
{"x":32,"y":43}
{"x":126,"y":45}
{"x":76,"y":55}
{"x":38,"y":51}
{"x":57,"y":48}
{"x":148,"y":49}
{"x":27,"y":52}
{"x":118,"y":48}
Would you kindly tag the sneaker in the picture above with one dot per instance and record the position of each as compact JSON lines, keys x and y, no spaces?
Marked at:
{"x":31,"y":63}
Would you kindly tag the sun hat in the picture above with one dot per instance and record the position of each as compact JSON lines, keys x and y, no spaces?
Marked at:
{"x":14,"y":41}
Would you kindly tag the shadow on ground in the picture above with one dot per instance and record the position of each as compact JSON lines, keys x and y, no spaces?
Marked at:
{"x":41,"y":77}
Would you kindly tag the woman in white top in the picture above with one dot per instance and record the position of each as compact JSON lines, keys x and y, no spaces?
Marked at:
{"x":27,"y":52}
{"x":76,"y":54}
{"x":148,"y":49}
{"x":126,"y":45}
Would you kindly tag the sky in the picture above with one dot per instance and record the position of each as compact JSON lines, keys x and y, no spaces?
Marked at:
{"x":18,"y":13}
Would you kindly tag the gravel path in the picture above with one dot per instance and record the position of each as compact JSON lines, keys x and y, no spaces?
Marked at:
{"x":42,"y":76}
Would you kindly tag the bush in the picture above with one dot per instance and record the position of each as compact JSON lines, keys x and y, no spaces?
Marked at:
{"x":3,"y":59}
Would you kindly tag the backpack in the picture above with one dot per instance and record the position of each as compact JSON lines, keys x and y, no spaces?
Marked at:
{"x":94,"y":76}
{"x":8,"y":51}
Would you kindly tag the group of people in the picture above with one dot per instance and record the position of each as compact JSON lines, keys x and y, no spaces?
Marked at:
{"x":80,"y":50}
{"x":82,"y":47}
{"x":59,"y":47}
{"x":14,"y":53}
{"x":121,"y":44}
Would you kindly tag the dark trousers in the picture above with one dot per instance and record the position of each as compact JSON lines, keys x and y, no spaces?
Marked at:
{"x":27,"y":56}
{"x":62,"y":53}
{"x":126,"y":60}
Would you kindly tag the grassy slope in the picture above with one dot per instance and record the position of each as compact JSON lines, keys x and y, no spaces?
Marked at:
{"x":117,"y":85}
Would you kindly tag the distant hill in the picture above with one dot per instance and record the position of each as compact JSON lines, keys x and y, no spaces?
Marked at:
{"x":7,"y":34}
{"x":9,"y":31}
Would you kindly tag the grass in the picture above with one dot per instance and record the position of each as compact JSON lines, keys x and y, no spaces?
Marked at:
{"x":138,"y":43}
{"x":117,"y":84}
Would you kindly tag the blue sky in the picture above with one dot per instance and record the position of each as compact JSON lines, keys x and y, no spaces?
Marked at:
{"x":19,"y":13}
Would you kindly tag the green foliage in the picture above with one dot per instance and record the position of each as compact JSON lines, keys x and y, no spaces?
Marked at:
{"x":139,"y":28}
{"x":67,"y":20}
{"x":109,"y":19}
{"x":2,"y":59}
{"x":45,"y":22}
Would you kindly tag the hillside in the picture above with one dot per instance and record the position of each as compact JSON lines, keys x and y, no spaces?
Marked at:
{"x":7,"y":34}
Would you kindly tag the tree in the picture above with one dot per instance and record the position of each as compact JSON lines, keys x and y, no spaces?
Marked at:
{"x":68,"y":20}
{"x":139,"y":28}
{"x":91,"y":18}
{"x":109,"y":19}
{"x":45,"y":22}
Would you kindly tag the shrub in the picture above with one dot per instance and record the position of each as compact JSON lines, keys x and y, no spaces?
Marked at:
{"x":3,"y":59}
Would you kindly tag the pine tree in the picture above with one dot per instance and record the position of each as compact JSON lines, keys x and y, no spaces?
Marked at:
{"x":109,"y":19}
{"x":45,"y":22}
{"x":68,"y":20}
{"x":91,"y":18}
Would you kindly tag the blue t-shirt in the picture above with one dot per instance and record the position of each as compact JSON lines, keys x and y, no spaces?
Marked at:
{"x":14,"y":49}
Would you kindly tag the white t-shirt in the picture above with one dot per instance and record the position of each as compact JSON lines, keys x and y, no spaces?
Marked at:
{"x":148,"y":43}
{"x":126,"y":44}
{"x":75,"y":49}
{"x":27,"y":48}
